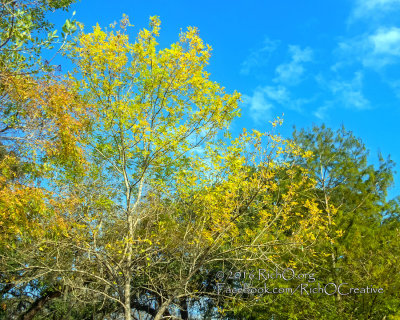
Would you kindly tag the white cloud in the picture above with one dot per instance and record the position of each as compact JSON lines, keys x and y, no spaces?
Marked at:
{"x":366,"y":8}
{"x":300,"y":55}
{"x":264,"y":99}
{"x":321,"y":112}
{"x":260,"y":108}
{"x":277,"y":93}
{"x":386,"y":42}
{"x":291,"y":73}
{"x":344,"y":93}
{"x":260,"y":56}
{"x":374,"y":50}
{"x":282,"y":96}
{"x":354,"y":98}
{"x":350,"y":93}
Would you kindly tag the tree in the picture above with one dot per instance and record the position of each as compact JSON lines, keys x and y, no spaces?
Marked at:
{"x":356,"y":191}
{"x":24,"y":33}
{"x":31,"y":129}
{"x":29,"y":211}
{"x":359,"y":245}
{"x":22,"y":27}
{"x":149,"y":215}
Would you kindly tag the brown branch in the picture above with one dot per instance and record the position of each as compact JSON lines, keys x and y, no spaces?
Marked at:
{"x":39,"y":304}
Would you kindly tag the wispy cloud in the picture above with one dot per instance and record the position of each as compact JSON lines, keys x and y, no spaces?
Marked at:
{"x":342,"y":93}
{"x":282,"y":96}
{"x":386,"y":41}
{"x":278,"y":92}
{"x":375,"y":50}
{"x":350,"y":92}
{"x":346,"y":93}
{"x":367,"y":8}
{"x":260,"y":108}
{"x":322,"y":112}
{"x":291,"y":73}
{"x":259,"y":57}
{"x":264,"y":99}
{"x":368,"y":48}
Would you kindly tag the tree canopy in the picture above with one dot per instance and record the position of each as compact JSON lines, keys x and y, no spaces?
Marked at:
{"x":123,"y":193}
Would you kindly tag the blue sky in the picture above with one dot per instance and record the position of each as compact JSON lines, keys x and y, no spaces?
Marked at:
{"x":333,"y":62}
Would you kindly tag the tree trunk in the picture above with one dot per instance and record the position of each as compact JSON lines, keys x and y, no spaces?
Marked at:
{"x":39,"y":304}
{"x":162,"y":309}
{"x":184,"y":309}
{"x":127,"y":300}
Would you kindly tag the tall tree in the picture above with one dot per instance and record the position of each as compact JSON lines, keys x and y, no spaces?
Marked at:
{"x":358,"y":247}
{"x":33,"y":116}
{"x":353,"y":194}
{"x":24,"y":34}
{"x":164,"y":196}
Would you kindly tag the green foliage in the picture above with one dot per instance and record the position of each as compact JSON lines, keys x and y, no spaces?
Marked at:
{"x":122,"y":191}
{"x":359,"y":245}
{"x":23,"y":26}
